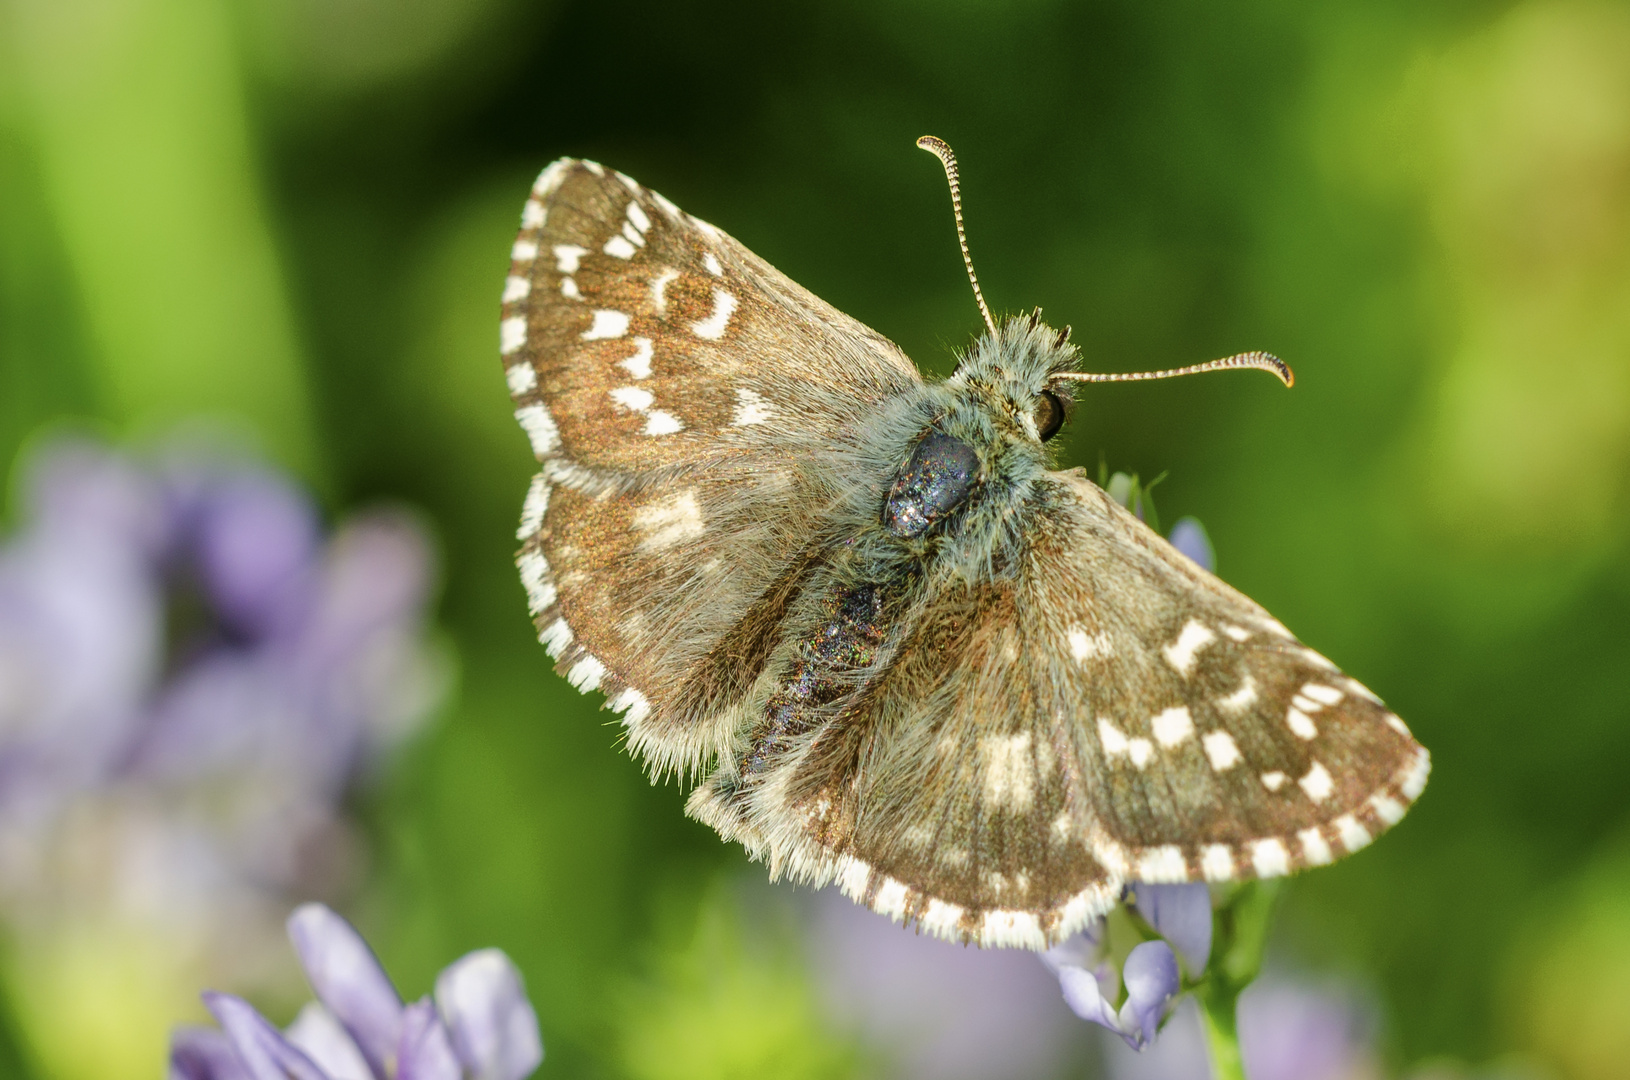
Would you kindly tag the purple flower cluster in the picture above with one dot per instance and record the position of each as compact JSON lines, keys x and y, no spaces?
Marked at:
{"x":191,"y":673}
{"x":478,"y":1026}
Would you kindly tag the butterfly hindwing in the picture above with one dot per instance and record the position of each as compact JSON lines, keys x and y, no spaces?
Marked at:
{"x":681,"y":394}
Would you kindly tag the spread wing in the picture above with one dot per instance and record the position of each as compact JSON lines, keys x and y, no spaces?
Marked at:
{"x":677,"y":390}
{"x":1106,"y":712}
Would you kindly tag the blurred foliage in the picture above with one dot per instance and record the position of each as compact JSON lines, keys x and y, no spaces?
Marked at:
{"x":297,"y":214}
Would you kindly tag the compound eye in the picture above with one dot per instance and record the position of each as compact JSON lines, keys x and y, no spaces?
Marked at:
{"x":1049,"y":413}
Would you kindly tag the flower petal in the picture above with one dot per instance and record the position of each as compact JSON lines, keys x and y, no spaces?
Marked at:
{"x":324,"y":1039}
{"x":425,"y":1052}
{"x":1182,"y":915}
{"x":1152,"y":982}
{"x":1084,"y":997}
{"x":349,"y":981}
{"x":262,"y":1050}
{"x":1189,"y":537}
{"x":494,"y":1028}
{"x":203,"y":1054}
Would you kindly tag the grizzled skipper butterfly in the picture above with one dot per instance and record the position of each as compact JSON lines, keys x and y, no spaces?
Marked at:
{"x":898,"y":650}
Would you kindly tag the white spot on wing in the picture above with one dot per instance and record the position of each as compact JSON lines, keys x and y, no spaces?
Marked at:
{"x":536,"y":505}
{"x":1274,"y":780}
{"x":1315,"y":852}
{"x":638,"y":365}
{"x":751,"y":408}
{"x":533,"y":215}
{"x":659,"y":289}
{"x":556,"y":637}
{"x":523,"y":251}
{"x":540,"y":428}
{"x":607,"y":324}
{"x":1111,"y":737}
{"x":1012,"y":930}
{"x":941,"y":919}
{"x":1140,"y":750}
{"x":1084,"y":646}
{"x":1063,"y":826}
{"x":1317,"y":783}
{"x":1318,"y":659}
{"x":1324,"y":695}
{"x":1193,"y":637}
{"x":586,"y":674}
{"x":659,"y":422}
{"x":633,"y":705}
{"x":665,"y":204}
{"x":594,"y":167}
{"x":1010,"y":774}
{"x":1221,"y":749}
{"x":711,"y":261}
{"x":1172,"y":726}
{"x":1163,"y":864}
{"x":568,"y":289}
{"x":668,"y":521}
{"x":1353,"y":835}
{"x":1237,"y":633}
{"x":1270,"y":858}
{"x":619,"y":247}
{"x":540,"y":591}
{"x":521,"y":377}
{"x":567,"y":256}
{"x":511,"y":334}
{"x":515,"y":288}
{"x":1300,"y":723}
{"x":550,"y":178}
{"x":713,"y":327}
{"x":1415,"y":782}
{"x":1387,"y":808}
{"x":890,"y":900}
{"x":1217,"y":862}
{"x":637,"y":216}
{"x":1240,"y":699}
{"x":632,"y":397}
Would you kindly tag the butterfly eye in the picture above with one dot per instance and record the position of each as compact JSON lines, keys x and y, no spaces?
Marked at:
{"x":1049,"y":413}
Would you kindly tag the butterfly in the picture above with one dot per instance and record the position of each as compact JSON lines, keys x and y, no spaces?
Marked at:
{"x":890,"y":644}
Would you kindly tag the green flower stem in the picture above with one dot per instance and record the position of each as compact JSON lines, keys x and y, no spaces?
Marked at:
{"x":1239,"y":935}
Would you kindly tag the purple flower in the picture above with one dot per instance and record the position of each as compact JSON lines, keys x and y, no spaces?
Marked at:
{"x":480,"y":1025}
{"x":191,"y":675}
{"x":1189,"y":537}
{"x":1093,"y":983}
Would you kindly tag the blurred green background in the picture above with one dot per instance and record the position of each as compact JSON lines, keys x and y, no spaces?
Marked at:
{"x":297,"y":214}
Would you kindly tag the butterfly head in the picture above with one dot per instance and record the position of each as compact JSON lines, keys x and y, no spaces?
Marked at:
{"x":1012,"y":377}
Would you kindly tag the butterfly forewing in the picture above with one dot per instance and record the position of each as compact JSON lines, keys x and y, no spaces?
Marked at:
{"x":680,"y":393}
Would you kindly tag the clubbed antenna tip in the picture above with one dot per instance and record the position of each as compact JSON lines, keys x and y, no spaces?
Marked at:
{"x":1260,"y":360}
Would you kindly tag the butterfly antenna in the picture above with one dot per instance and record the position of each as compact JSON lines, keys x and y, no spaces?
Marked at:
{"x":941,"y":150}
{"x":1260,"y":360}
